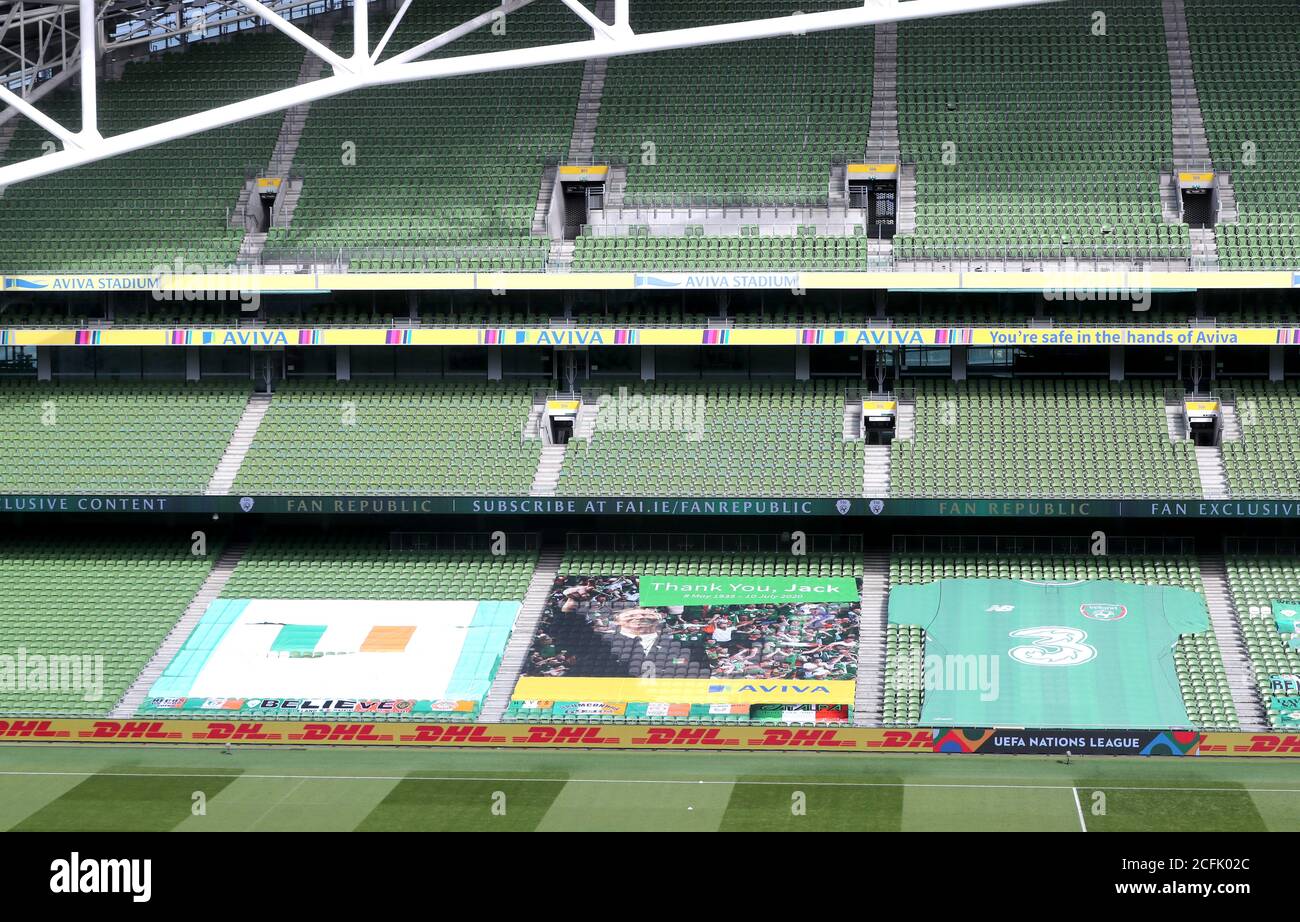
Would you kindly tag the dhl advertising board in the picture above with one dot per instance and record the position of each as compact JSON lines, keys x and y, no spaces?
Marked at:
{"x":860,"y":337}
{"x":523,"y":735}
{"x":913,"y":740}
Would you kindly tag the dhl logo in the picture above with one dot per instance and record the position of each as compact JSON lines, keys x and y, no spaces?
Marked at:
{"x":817,"y":739}
{"x":232,"y":732}
{"x":31,"y":729}
{"x":458,"y":734}
{"x":566,"y":736}
{"x":1268,"y":743}
{"x":903,"y":739}
{"x":341,"y":733}
{"x":685,"y":736}
{"x":129,"y":730}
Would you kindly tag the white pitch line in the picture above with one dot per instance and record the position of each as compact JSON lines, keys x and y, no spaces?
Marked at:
{"x":793,"y":781}
{"x":1083,"y":827}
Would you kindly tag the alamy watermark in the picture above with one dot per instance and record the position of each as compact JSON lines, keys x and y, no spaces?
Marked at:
{"x":52,"y":674}
{"x":224,"y":283}
{"x":626,"y":412}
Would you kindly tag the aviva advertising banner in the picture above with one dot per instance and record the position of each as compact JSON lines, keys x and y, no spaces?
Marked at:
{"x":871,"y":337}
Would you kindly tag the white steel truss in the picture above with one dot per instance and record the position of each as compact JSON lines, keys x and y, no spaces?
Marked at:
{"x":369,"y":69}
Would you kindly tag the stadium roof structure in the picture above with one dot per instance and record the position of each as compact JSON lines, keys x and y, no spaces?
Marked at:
{"x":44,"y":39}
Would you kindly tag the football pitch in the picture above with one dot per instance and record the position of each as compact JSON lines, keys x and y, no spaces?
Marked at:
{"x":128,"y":788}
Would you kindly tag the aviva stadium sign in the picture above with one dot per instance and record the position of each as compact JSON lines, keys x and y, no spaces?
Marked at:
{"x":186,"y":277}
{"x":855,"y":507}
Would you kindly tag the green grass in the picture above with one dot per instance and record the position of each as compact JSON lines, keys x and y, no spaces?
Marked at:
{"x":142,"y":788}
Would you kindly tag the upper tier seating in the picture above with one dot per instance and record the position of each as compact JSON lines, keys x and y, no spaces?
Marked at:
{"x":1265,"y":462}
{"x":1015,"y":438}
{"x":390,"y":438}
{"x":98,"y":437}
{"x":753,"y":122}
{"x":441,"y":174}
{"x":1247,"y":67}
{"x":146,"y":210}
{"x":697,"y":439}
{"x":1035,"y":138}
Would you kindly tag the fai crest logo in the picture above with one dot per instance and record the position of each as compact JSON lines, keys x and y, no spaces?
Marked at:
{"x":1103,"y":611}
{"x":246,"y":504}
{"x":842,"y":506}
{"x":877,"y":506}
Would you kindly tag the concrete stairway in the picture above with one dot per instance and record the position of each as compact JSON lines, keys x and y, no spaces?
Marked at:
{"x":561,"y":258}
{"x":882,"y":142}
{"x":584,"y":427}
{"x":521,"y":639}
{"x":1205,"y":248}
{"x":1242,"y":681}
{"x":1227,"y":199}
{"x":906,"y":199}
{"x":1231,"y":423}
{"x":1171,"y":203}
{"x":1209,"y":464}
{"x":7,"y":135}
{"x":223,"y":479}
{"x":582,"y":142}
{"x":905,"y":421}
{"x":616,"y":187}
{"x":869,"y":702}
{"x":1191,"y":147}
{"x":545,"y":195}
{"x":549,"y":466}
{"x":875,"y":471}
{"x":852,"y":422}
{"x":175,"y":639}
{"x":1175,"y":423}
{"x":286,"y":148}
{"x":837,"y":196}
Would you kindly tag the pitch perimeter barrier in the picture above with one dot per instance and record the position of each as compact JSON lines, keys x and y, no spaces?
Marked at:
{"x":580,"y":736}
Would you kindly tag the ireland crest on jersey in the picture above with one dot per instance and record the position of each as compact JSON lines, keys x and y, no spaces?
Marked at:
{"x":1103,"y":611}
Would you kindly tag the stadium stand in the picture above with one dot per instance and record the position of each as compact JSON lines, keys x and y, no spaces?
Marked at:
{"x":1250,"y":117}
{"x":446,"y":173}
{"x":607,"y":254}
{"x":1197,"y":660}
{"x":755,"y":123}
{"x":727,"y":440}
{"x":988,"y":438}
{"x":1000,"y":112}
{"x":101,"y":437}
{"x":146,"y":210}
{"x":114,"y":598}
{"x":366,"y":567}
{"x":1256,"y":582}
{"x":1265,"y":461}
{"x":393,"y":438}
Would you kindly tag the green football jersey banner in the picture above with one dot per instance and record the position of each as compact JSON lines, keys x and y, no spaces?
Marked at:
{"x":1011,"y":653}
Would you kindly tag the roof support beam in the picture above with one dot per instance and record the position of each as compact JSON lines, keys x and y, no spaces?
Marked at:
{"x":406,"y":69}
{"x":302,"y":38}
